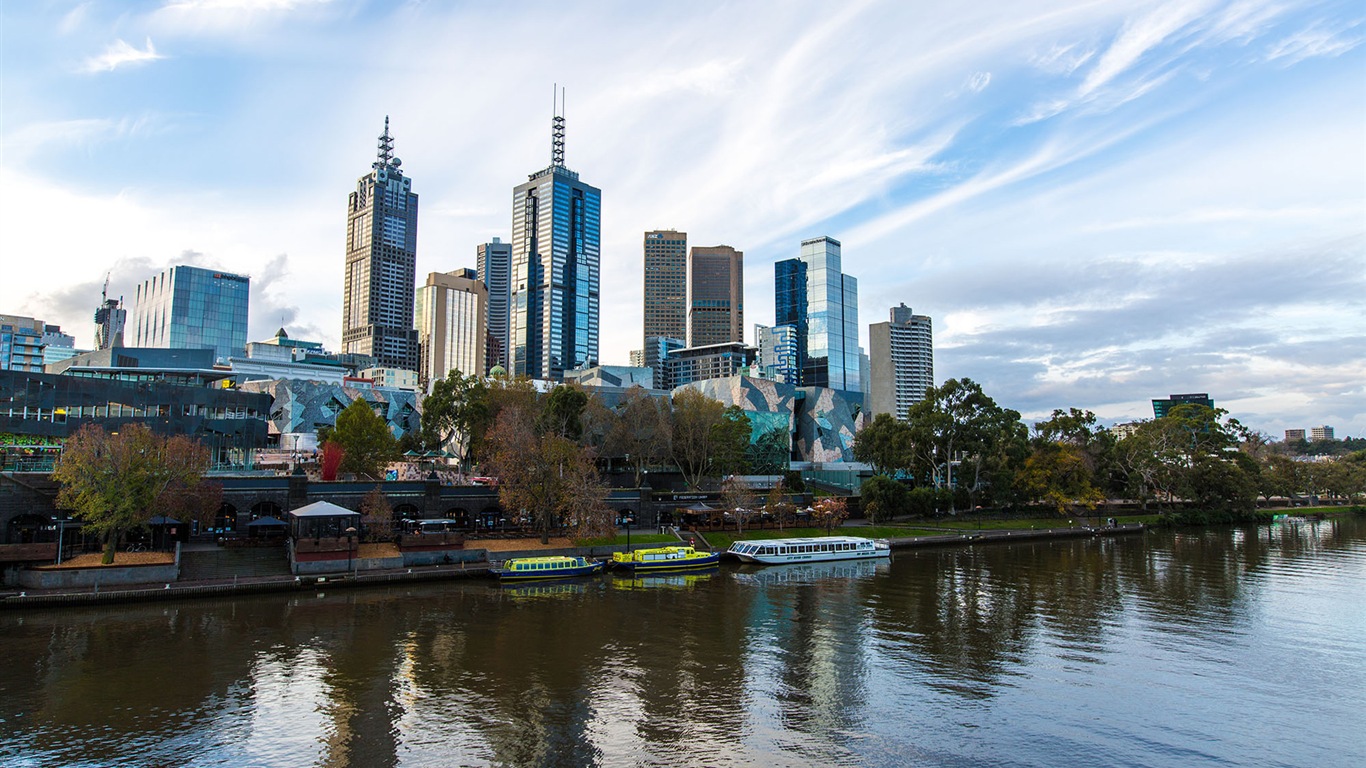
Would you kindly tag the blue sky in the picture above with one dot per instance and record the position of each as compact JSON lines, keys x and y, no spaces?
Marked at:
{"x":1097,"y":202}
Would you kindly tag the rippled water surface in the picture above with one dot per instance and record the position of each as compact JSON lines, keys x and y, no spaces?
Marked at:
{"x":1216,"y":647}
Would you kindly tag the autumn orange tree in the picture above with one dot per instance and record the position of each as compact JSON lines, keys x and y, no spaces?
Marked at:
{"x":830,"y":512}
{"x":115,"y":481}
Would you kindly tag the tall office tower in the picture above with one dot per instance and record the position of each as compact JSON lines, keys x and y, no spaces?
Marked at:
{"x":57,"y":346}
{"x":110,"y":319}
{"x":821,"y":302}
{"x":666,"y":284}
{"x":778,"y":353}
{"x":901,"y":362}
{"x":553,"y":323}
{"x":494,"y":262}
{"x":381,"y":264}
{"x":716,"y":296}
{"x":193,"y":308}
{"x":451,"y":319}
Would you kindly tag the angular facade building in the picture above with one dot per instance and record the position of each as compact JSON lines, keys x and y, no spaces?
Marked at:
{"x":553,"y":319}
{"x":820,"y":302}
{"x":452,"y":315}
{"x":381,"y":263}
{"x":666,"y":284}
{"x":193,"y":308}
{"x":494,"y":263}
{"x":716,"y":296}
{"x":901,"y":362}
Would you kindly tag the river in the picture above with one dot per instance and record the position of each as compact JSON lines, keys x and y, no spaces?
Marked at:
{"x":1228,"y":646}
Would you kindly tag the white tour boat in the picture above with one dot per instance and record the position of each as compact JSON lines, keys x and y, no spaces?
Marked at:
{"x":777,"y":551}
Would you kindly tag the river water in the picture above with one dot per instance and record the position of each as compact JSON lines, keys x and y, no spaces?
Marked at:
{"x":1211,"y":647}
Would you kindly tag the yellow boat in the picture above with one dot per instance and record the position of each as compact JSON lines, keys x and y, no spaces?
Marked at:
{"x":663,"y":559}
{"x":553,"y":567}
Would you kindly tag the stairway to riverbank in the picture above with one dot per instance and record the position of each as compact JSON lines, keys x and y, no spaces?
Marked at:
{"x":246,"y":562}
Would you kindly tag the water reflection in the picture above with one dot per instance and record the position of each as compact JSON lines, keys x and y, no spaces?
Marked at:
{"x":1036,"y":652}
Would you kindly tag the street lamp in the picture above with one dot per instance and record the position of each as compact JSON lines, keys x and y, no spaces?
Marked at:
{"x":350,"y":535}
{"x":61,"y":529}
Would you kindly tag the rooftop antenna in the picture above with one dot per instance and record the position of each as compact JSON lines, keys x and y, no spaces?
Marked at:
{"x":104,"y":294}
{"x":386,"y":147}
{"x":557,"y":127}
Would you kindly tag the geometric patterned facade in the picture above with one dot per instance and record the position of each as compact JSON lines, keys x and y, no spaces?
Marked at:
{"x":822,"y":421}
{"x":301,"y":406}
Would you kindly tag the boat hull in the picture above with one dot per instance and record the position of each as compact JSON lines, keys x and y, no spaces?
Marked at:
{"x":819,"y":557}
{"x":809,"y":550}
{"x":506,"y":575}
{"x":702,"y":561}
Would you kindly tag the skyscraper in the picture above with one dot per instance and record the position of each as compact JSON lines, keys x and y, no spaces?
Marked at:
{"x":901,"y":360}
{"x":716,"y":296}
{"x":110,"y":319}
{"x":666,"y":284}
{"x":778,"y":355}
{"x":193,"y":308}
{"x":553,"y":323}
{"x":451,"y":318}
{"x":494,"y":262}
{"x":821,"y":302}
{"x":381,"y":263}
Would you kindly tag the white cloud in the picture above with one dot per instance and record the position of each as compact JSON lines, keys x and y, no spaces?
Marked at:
{"x":1314,"y":41}
{"x":979,"y":82}
{"x":119,"y":54}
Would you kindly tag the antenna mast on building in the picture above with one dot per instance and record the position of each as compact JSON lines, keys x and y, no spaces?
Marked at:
{"x":557,"y":127}
{"x":386,"y":147}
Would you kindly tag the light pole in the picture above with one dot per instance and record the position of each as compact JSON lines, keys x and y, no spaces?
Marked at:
{"x":61,"y":529}
{"x":350,"y":535}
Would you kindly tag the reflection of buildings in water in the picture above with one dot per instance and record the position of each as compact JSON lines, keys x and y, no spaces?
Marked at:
{"x":801,"y":573}
{"x":673,"y":580}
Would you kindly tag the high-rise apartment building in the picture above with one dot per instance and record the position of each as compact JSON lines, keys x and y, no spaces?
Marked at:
{"x":451,"y":318}
{"x":821,"y":303}
{"x":57,"y":346}
{"x":193,"y":308}
{"x":901,"y":362}
{"x":381,"y":263}
{"x":110,"y":320}
{"x":778,"y":358}
{"x":21,"y":344}
{"x":1162,"y":407}
{"x":553,"y":323}
{"x":1321,"y":433}
{"x":666,"y":284}
{"x":494,"y":262}
{"x":716,"y":296}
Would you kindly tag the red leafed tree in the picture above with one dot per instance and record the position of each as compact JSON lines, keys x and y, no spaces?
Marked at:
{"x":331,"y":460}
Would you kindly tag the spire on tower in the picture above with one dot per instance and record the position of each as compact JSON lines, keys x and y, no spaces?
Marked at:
{"x":557,"y":127}
{"x":386,"y":147}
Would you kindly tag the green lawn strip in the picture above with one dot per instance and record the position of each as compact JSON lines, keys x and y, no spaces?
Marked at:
{"x":636,"y":539}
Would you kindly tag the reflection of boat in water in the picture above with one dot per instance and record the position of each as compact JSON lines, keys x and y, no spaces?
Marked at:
{"x":803,"y":573}
{"x":547,"y":589}
{"x":675,"y":558}
{"x":777,"y":551}
{"x":667,"y":580}
{"x":541,"y":568}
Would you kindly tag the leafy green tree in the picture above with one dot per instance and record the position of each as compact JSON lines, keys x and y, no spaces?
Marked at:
{"x":115,"y":481}
{"x":884,"y":498}
{"x":954,"y":421}
{"x":643,"y":431}
{"x":730,"y":443}
{"x":694,"y":416}
{"x":562,"y":413}
{"x":451,"y":412}
{"x":365,"y":440}
{"x":885,"y":444}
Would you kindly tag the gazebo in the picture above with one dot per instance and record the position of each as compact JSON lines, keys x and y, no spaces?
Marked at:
{"x":322,"y":520}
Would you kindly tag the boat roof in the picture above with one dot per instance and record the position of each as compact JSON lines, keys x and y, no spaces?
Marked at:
{"x":806,"y":540}
{"x":543,"y":559}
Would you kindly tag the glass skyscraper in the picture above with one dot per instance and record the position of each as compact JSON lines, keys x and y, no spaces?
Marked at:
{"x":553,"y":322}
{"x":666,"y":284}
{"x":812,"y":295}
{"x":381,"y":264}
{"x":494,"y":262}
{"x":193,"y":308}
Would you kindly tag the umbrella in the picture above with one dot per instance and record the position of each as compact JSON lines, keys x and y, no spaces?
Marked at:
{"x":264,"y":521}
{"x":700,"y":507}
{"x":161,"y":520}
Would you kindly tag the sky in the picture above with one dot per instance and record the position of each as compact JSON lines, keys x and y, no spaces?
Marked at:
{"x":1098,"y":203}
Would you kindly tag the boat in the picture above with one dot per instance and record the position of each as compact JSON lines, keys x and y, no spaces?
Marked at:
{"x":779,"y":551}
{"x":550,"y":567}
{"x":810,"y":572}
{"x":674,"y":558}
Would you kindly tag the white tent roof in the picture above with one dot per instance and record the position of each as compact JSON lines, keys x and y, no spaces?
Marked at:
{"x":323,"y":509}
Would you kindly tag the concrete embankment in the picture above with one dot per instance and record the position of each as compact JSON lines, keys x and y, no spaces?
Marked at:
{"x":182,"y":590}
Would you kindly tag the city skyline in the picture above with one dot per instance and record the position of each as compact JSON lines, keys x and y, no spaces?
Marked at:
{"x":1098,"y":205}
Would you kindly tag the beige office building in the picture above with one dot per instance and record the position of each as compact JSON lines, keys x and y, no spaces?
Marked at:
{"x":666,"y":284}
{"x":901,"y":362}
{"x":452,"y":325}
{"x":716,"y":296}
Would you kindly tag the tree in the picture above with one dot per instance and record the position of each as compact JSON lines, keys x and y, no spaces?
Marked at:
{"x":1059,"y":475}
{"x":378,"y":515}
{"x":883,"y":498}
{"x":643,"y":431}
{"x":830,"y":512}
{"x":776,"y":504}
{"x":547,"y":478}
{"x":451,"y":413}
{"x":563,"y":411}
{"x":365,"y":440}
{"x":198,"y":500}
{"x":953,"y":421}
{"x":114,"y":481}
{"x":694,"y":416}
{"x":885,"y":444}
{"x":737,"y":498}
{"x":730,"y":443}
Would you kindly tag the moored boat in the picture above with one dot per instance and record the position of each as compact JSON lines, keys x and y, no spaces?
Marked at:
{"x":673,"y":558}
{"x":778,"y":551}
{"x":549,"y":567}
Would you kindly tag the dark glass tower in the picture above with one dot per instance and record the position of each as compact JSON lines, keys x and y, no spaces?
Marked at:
{"x":821,"y":302}
{"x":553,"y":318}
{"x":381,"y":264}
{"x":494,"y":262}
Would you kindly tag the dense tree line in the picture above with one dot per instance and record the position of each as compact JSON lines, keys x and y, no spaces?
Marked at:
{"x":957,"y":447}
